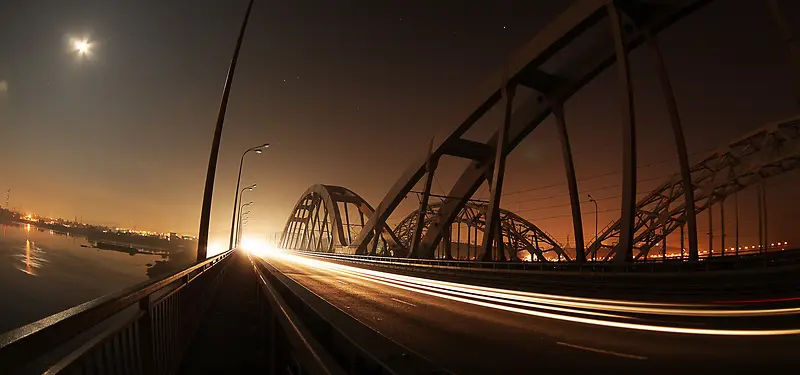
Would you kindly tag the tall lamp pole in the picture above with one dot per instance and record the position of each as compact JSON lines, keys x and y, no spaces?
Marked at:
{"x":594,"y":253}
{"x":205,"y":215}
{"x":237,"y":196}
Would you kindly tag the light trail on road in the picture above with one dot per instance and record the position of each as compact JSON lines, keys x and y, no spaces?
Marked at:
{"x":600,"y":312}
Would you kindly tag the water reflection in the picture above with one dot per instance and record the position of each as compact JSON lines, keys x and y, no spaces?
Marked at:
{"x":43,"y":272}
{"x":28,"y":268}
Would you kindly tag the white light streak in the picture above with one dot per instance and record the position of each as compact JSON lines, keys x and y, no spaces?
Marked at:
{"x":594,"y":311}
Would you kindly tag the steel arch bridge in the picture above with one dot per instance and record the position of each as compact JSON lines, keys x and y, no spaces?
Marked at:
{"x":322,"y":221}
{"x":767,"y":152}
{"x":523,"y":240}
{"x":585,"y":40}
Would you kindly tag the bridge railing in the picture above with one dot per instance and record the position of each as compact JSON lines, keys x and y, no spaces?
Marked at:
{"x":143,"y":329}
{"x":740,"y":262}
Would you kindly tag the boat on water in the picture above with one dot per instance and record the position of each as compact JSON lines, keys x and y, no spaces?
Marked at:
{"x":103,"y":245}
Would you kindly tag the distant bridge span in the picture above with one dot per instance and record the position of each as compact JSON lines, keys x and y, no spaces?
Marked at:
{"x":317,"y":222}
{"x":767,"y":152}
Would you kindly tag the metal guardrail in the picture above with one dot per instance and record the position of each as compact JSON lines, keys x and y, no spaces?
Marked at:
{"x":741,"y":262}
{"x":760,"y":282}
{"x":307,"y":335}
{"x":143,"y":329}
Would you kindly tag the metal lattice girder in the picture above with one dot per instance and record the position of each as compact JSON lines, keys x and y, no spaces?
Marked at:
{"x":767,"y":152}
{"x":551,"y":64}
{"x":519,"y":235}
{"x":316,"y":222}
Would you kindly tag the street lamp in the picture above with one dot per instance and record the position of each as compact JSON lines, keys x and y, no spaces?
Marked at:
{"x":208,"y":192}
{"x":241,"y":215}
{"x":242,"y":225}
{"x":596,"y":245}
{"x":236,"y":196}
{"x":241,"y":192}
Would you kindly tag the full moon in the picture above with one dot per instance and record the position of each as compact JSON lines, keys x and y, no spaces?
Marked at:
{"x":82,"y":46}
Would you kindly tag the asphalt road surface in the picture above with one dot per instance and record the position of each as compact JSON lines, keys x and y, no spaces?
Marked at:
{"x":479,"y":330}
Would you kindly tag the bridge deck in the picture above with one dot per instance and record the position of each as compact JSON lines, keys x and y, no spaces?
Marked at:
{"x":228,"y":339}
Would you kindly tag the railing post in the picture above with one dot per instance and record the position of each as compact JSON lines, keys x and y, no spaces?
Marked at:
{"x":146,"y":337}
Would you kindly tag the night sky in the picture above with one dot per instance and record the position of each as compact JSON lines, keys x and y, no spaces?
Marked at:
{"x":348,"y":93}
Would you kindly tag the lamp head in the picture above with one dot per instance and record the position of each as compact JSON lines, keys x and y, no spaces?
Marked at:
{"x":261,"y":148}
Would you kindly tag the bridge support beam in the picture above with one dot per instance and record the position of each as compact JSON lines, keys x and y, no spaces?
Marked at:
{"x":572,"y":183}
{"x":493,"y":234}
{"x":680,"y":144}
{"x":624,"y":250}
{"x":430,"y":168}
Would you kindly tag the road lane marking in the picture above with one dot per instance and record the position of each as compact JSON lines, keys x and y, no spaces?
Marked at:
{"x":407,"y":303}
{"x":633,"y":356}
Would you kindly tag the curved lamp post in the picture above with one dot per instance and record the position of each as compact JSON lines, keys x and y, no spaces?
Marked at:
{"x":238,"y":195}
{"x":208,"y":192}
{"x":236,"y":198}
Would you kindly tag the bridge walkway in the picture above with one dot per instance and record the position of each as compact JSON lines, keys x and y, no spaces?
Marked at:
{"x":229,"y":339}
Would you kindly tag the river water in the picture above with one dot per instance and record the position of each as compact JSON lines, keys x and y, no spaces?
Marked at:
{"x":43,"y":272}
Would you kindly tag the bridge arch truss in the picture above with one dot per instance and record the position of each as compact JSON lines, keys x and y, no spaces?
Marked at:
{"x":586,"y":39}
{"x":522,"y":239}
{"x":327,"y":218}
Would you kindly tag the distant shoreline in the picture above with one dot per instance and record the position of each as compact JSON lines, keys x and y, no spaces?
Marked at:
{"x":115,"y":241}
